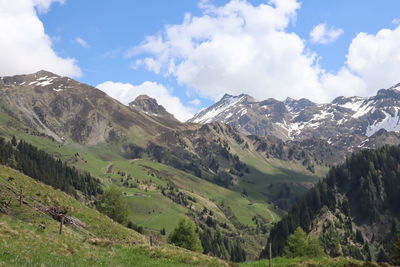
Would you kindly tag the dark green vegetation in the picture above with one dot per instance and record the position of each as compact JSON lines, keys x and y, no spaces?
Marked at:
{"x":113,"y":205}
{"x":186,"y":236}
{"x":354,"y":211}
{"x":232,"y":186}
{"x":396,"y":248}
{"x":312,"y":262}
{"x":43,"y":167}
{"x":299,"y":245}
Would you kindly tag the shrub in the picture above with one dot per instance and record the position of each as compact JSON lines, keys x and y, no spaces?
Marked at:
{"x":185,"y":236}
{"x":298,"y":245}
{"x":114,"y":205}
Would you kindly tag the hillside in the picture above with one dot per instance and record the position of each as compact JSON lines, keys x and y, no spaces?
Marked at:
{"x":29,"y":236}
{"x":353,"y":211}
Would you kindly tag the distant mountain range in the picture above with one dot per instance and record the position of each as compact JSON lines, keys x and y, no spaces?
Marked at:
{"x":303,"y":119}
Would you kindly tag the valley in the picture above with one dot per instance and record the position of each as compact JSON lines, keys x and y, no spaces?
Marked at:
{"x":202,"y":133}
{"x":235,"y":186}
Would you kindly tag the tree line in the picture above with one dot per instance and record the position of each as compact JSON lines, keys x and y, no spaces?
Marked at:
{"x":362,"y":189}
{"x":43,"y":167}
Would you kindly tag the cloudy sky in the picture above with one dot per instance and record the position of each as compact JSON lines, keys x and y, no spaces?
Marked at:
{"x":188,"y":53}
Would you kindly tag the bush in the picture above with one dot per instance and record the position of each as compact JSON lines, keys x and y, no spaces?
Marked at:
{"x":396,"y":248}
{"x":298,"y":245}
{"x":185,"y":236}
{"x":114,"y":205}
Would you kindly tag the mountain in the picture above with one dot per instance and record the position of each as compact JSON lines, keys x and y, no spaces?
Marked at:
{"x":353,"y":211}
{"x":62,"y":108}
{"x":149,"y":105}
{"x":303,"y":119}
{"x":220,"y":178}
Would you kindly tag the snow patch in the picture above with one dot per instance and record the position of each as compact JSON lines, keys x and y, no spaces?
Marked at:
{"x":389,"y":123}
{"x":43,"y":81}
{"x":364,"y":110}
{"x":209,"y":116}
{"x":354,"y":104}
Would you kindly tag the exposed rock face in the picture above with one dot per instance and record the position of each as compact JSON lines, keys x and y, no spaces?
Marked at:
{"x":62,"y":108}
{"x":149,"y":106}
{"x":299,"y":120}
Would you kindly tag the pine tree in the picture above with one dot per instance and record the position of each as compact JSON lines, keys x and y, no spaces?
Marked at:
{"x":185,"y":236}
{"x":162,"y":231}
{"x":14,"y":141}
{"x":314,"y":248}
{"x":296,"y":244}
{"x":396,"y":249}
{"x":382,"y":256}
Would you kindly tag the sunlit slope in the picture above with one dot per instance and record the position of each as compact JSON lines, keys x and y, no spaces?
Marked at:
{"x":29,"y":237}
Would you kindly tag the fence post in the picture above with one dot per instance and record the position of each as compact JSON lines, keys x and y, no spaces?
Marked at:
{"x":61,"y":224}
{"x":270,"y":254}
{"x":21,"y":197}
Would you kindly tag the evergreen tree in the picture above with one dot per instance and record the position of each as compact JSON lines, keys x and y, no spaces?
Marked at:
{"x":163,"y":232}
{"x":359,"y":237}
{"x":45,"y":168}
{"x":185,"y":236}
{"x":298,"y":245}
{"x":382,"y":256}
{"x":14,"y":141}
{"x":114,"y":205}
{"x":314,"y":248}
{"x":368,"y":183}
{"x":396,"y":248}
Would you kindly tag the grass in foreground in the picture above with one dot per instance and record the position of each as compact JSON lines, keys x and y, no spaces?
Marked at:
{"x":320,"y":262}
{"x":31,"y":238}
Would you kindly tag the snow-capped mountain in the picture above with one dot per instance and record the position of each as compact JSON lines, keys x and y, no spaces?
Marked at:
{"x":302,"y":119}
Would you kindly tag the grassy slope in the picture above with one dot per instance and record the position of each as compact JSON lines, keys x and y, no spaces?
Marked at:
{"x":103,"y":243}
{"x":97,"y":159}
{"x":265,"y":173}
{"x":320,"y":262}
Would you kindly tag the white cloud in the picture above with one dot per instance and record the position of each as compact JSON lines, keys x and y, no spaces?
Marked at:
{"x":242,"y":48}
{"x":322,"y":34}
{"x":82,"y":42}
{"x":396,"y":21}
{"x":376,"y":58}
{"x":126,"y":92}
{"x":24,"y":45}
{"x":44,"y":5}
{"x":236,"y":48}
{"x":195,"y":102}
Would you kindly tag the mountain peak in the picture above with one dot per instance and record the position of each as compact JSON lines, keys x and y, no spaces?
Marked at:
{"x":295,"y":105}
{"x":143,"y":98}
{"x":226,"y":96}
{"x":396,"y":87}
{"x":302,"y":118}
{"x":43,"y":73}
{"x":149,"y":105}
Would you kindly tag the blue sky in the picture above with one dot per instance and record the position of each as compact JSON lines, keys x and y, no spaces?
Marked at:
{"x":101,"y":35}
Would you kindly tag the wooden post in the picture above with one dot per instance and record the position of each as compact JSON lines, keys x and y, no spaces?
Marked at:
{"x":151,"y":240}
{"x":21,"y":197}
{"x":61,"y":224}
{"x":270,"y":254}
